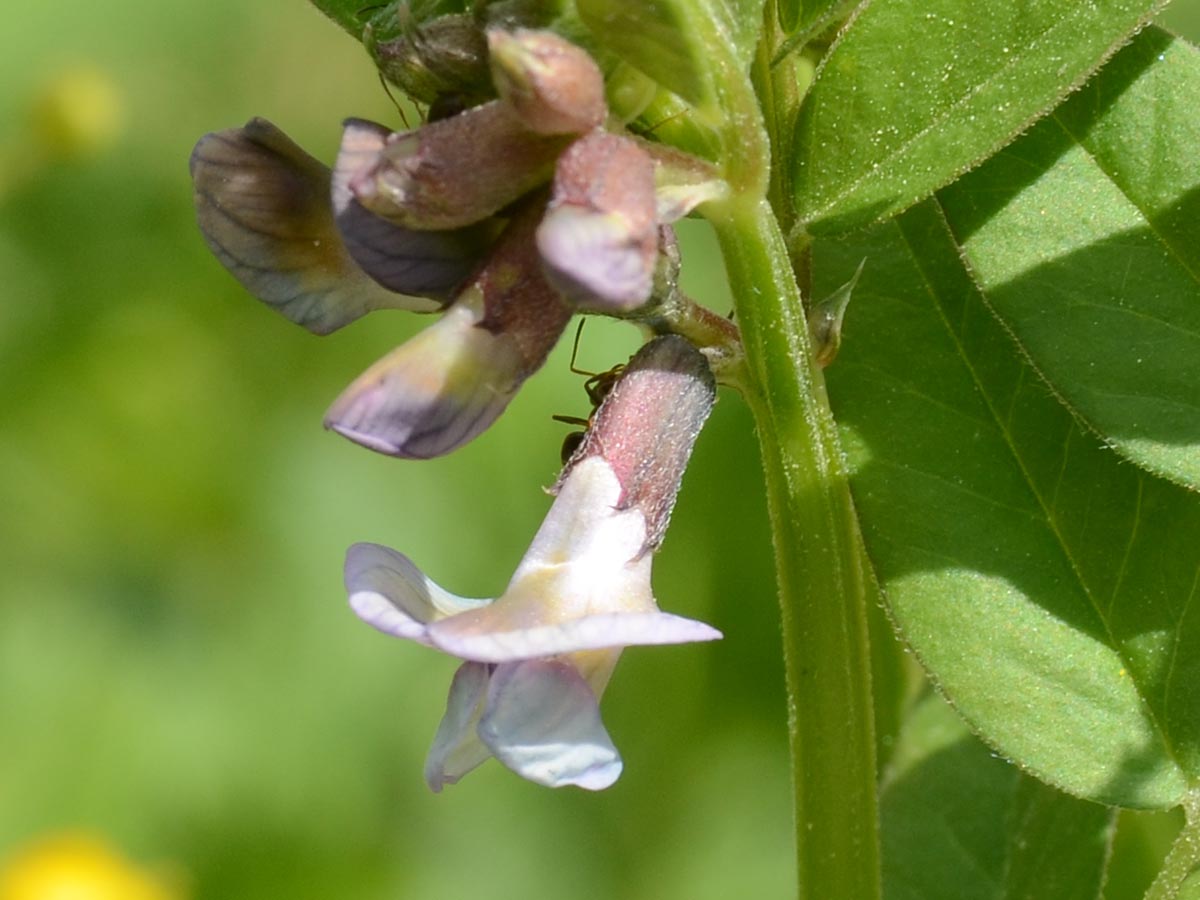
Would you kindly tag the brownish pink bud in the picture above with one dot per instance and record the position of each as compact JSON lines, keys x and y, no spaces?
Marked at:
{"x":456,"y":171}
{"x":553,"y":86}
{"x":599,"y":237}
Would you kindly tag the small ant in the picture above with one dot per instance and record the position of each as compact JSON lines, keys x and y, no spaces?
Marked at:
{"x":598,"y":386}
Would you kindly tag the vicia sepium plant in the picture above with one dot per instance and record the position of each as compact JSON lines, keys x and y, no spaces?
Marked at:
{"x":982,"y":446}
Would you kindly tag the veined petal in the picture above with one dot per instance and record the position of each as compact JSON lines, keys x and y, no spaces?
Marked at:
{"x":543,"y":722}
{"x":468,"y":636}
{"x":426,"y":263}
{"x":391,"y":594}
{"x":457,"y":748}
{"x":435,"y":392}
{"x":263,"y":206}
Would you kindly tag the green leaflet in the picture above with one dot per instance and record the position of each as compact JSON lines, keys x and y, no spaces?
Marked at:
{"x":1052,"y":591}
{"x":1085,"y":234}
{"x":670,"y":40}
{"x":797,"y":17}
{"x":915,"y":92}
{"x":959,"y":824}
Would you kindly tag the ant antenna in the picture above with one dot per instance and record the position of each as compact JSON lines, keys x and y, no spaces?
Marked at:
{"x":575,"y":350}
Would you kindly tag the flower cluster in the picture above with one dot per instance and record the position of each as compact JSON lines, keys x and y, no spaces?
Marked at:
{"x":508,"y":217}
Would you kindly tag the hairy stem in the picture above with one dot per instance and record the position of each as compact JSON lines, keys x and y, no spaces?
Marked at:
{"x":1184,"y":858}
{"x":824,"y":587}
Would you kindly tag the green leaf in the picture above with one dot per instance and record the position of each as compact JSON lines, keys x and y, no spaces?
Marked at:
{"x":801,"y":17}
{"x":1085,"y":234}
{"x":915,"y":92}
{"x":1050,"y":589}
{"x":960,"y":824}
{"x":670,"y":40}
{"x":790,"y":14}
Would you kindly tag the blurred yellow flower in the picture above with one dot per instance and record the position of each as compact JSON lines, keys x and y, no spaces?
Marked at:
{"x":77,"y":867}
{"x":77,"y":113}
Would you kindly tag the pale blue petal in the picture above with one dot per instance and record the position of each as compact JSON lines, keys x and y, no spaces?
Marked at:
{"x":391,"y":594}
{"x":490,"y":635}
{"x":594,"y":259}
{"x":456,"y":747}
{"x":543,"y":722}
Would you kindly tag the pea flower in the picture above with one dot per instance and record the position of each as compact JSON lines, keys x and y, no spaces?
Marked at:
{"x":537,"y":659}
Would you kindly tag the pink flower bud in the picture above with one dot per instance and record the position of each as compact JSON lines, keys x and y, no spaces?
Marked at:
{"x":599,"y":237}
{"x":553,"y":86}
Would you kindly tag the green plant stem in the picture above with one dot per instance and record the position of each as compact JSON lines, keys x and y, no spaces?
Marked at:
{"x":1184,"y":858}
{"x":823,"y":586}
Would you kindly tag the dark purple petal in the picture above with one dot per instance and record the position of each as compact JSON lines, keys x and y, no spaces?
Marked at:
{"x":432,"y":264}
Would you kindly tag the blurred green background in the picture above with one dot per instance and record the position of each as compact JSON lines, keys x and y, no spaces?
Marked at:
{"x":179,"y":673}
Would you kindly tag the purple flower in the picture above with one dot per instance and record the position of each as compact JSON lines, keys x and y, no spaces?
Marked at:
{"x":453,"y":216}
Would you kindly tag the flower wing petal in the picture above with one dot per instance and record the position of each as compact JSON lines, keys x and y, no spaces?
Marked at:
{"x":263,"y":206}
{"x":389,"y":593}
{"x":435,"y":392}
{"x":490,"y":635}
{"x":543,"y":722}
{"x":457,"y":748}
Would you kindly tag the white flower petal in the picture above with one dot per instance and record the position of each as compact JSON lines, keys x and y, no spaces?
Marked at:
{"x":456,"y":747}
{"x":467,"y":638}
{"x":391,"y":594}
{"x":584,"y":524}
{"x":543,"y":722}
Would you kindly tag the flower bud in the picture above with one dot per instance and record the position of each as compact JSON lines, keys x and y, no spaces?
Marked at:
{"x":553,"y":86}
{"x":455,"y":171}
{"x":598,"y":239}
{"x":443,"y":55}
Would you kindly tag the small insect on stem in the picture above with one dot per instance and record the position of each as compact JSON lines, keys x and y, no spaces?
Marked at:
{"x":598,"y":386}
